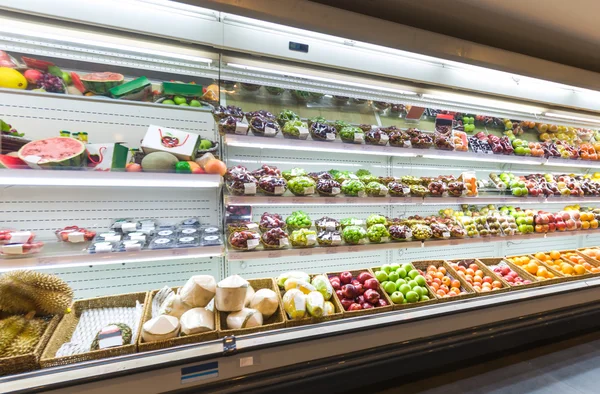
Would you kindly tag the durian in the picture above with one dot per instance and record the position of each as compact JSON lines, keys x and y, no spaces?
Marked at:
{"x":24,"y":291}
{"x":27,"y":340}
{"x":10,"y":328}
{"x":126,"y":335}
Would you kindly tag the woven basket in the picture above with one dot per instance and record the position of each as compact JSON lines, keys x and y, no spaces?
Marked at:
{"x":313,"y":320}
{"x":67,"y":325}
{"x":522,"y":273}
{"x":564,"y":277}
{"x":10,"y":143}
{"x":423,"y":264}
{"x":587,"y":259}
{"x":558,"y":277}
{"x":363,"y":312}
{"x":276,"y":321}
{"x":486,"y":271}
{"x":29,"y":361}
{"x":166,"y":343}
{"x":432,"y":297}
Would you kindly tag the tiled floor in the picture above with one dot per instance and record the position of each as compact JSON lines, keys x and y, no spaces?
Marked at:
{"x":569,"y":366}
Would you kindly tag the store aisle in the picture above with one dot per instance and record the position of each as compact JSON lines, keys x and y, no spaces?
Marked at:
{"x":569,"y":366}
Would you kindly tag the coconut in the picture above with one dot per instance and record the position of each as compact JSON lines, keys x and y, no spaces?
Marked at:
{"x":160,"y":328}
{"x":246,"y":318}
{"x":265,"y":301}
{"x":231,"y":294}
{"x":198,"y":290}
{"x":249,"y":295}
{"x":173,"y":306}
{"x":197,"y":320}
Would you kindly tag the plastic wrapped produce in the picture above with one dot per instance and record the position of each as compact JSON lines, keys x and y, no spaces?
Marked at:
{"x":470,"y":226}
{"x":328,"y":187}
{"x":419,"y":191}
{"x":367,"y":178}
{"x":327,"y":224}
{"x":378,"y":233}
{"x":301,"y":96}
{"x":274,"y":91}
{"x":298,"y":220}
{"x":264,"y":127}
{"x":316,"y":119}
{"x":439,"y":231}
{"x":456,"y":231}
{"x":421,"y":232}
{"x":376,"y":219}
{"x":295,"y":129}
{"x":270,"y":221}
{"x":351,"y":222}
{"x":275,"y":238}
{"x":285,"y":116}
{"x":376,"y":189}
{"x":303,"y":238}
{"x":437,"y":189}
{"x":354,"y":188}
{"x":233,"y":172}
{"x":294,"y":172}
{"x":478,"y":145}
{"x":398,"y":189}
{"x":443,"y":141}
{"x":460,"y":140}
{"x":399,"y":138}
{"x":231,"y":125}
{"x":400,"y":232}
{"x":241,"y":225}
{"x":352,"y":134}
{"x":340,"y":124}
{"x":261,"y":112}
{"x":354,"y":235}
{"x":410,"y":180}
{"x":419,"y":139}
{"x":242,"y":184}
{"x":265,"y":170}
{"x":244,"y":240}
{"x":329,"y":238}
{"x":222,"y":112}
{"x":301,"y":186}
{"x":272,"y":185}
{"x":322,"y":132}
{"x":315,"y":176}
{"x":376,"y":137}
{"x":456,"y":189}
{"x":342,"y":176}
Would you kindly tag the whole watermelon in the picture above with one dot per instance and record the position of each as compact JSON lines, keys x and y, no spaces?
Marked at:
{"x":101,"y":83}
{"x":54,"y":153}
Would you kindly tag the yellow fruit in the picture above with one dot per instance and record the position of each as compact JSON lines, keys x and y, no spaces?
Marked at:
{"x":579,"y":269}
{"x":12,"y":79}
{"x":542,"y":271}
{"x":567,"y":269}
{"x":531,"y":267}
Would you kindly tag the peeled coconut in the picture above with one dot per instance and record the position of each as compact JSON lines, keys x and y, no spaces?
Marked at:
{"x":265,"y":301}
{"x":160,"y":328}
{"x":231,"y":294}
{"x":198,"y":290}
{"x":197,"y":320}
{"x":173,"y":306}
{"x":246,"y":318}
{"x":249,"y":295}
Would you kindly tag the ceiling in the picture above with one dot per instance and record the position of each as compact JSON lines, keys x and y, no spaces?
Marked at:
{"x":560,"y":31}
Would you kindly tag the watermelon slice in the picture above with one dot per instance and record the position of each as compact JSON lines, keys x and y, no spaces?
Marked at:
{"x":12,"y":162}
{"x":101,"y":83}
{"x":36,"y":63}
{"x":77,"y":82}
{"x":54,"y":153}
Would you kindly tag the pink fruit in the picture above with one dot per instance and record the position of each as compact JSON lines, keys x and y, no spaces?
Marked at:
{"x":345,"y":277}
{"x":32,"y":76}
{"x":364,"y":276}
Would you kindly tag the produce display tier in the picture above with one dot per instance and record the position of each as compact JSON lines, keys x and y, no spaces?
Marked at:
{"x":340,"y":147}
{"x":106,"y":179}
{"x":227,"y":359}
{"x":432,"y":243}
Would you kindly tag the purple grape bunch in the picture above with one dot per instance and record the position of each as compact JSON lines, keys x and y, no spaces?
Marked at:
{"x":51,"y":83}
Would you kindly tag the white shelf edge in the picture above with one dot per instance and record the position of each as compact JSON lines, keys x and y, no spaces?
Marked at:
{"x":84,"y":259}
{"x":340,"y":147}
{"x":432,"y":243}
{"x":83,"y":178}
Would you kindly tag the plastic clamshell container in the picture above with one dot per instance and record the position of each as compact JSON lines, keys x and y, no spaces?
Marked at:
{"x":139,"y":89}
{"x":182,"y":89}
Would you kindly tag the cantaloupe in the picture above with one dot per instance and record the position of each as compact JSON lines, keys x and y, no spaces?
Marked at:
{"x":215,"y":166}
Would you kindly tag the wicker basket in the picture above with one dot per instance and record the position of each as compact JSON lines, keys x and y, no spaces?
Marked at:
{"x":9,"y":143}
{"x":591,"y":261}
{"x":432,"y":297}
{"x":587,"y":258}
{"x":564,"y":277}
{"x":274,"y":322}
{"x":423,"y":264}
{"x":339,"y":310}
{"x":166,"y":343}
{"x":363,"y":312}
{"x":486,"y":271}
{"x":522,"y":273}
{"x":67,"y":325}
{"x":558,"y":277}
{"x":29,"y":361}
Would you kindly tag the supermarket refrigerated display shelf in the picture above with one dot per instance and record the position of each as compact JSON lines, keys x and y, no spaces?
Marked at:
{"x":261,"y":352}
{"x":431,"y":243}
{"x":341,"y":147}
{"x":231,"y":200}
{"x":83,"y":258}
{"x":82,"y":178}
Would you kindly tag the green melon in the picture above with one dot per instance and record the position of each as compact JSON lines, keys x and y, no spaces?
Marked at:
{"x":101,"y":83}
{"x":54,"y":153}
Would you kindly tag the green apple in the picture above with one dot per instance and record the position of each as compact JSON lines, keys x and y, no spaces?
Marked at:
{"x":205,"y":144}
{"x":395,"y":266}
{"x":420,"y":279}
{"x":381,"y":276}
{"x":405,"y":301}
{"x":184,"y":105}
{"x":408,"y":267}
{"x":412,"y":283}
{"x":393,"y":276}
{"x":389,"y":287}
{"x":401,"y":272}
{"x":404,"y":289}
{"x":400,"y":282}
{"x":386,"y":268}
{"x":424,"y":298}
{"x":195,"y":103}
{"x":413,"y":274}
{"x":397,"y":297}
{"x":180,"y":100}
{"x":168,"y":102}
{"x":67,"y":78}
{"x":419,"y":290}
{"x":412,"y":296}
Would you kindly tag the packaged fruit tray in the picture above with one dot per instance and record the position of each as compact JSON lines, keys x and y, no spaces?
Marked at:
{"x":313,"y":320}
{"x":277,"y":320}
{"x":493,"y":262}
{"x":546,"y":274}
{"x":497,"y":284}
{"x":396,"y":306}
{"x":362,"y":312}
{"x":565,"y":267}
{"x":591,"y":255}
{"x":448,"y":272}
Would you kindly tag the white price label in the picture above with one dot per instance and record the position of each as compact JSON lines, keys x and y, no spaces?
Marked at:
{"x":110,"y":336}
{"x":330,"y":226}
{"x":284,"y":241}
{"x":309,"y":190}
{"x":330,"y":136}
{"x":252,"y":226}
{"x":311,"y":239}
{"x":358,"y":222}
{"x":383,"y":191}
{"x":110,"y":237}
{"x":336,"y":239}
{"x":250,"y":188}
{"x":128,"y":227}
{"x":385,"y":239}
{"x":241,"y":128}
{"x":103,"y":247}
{"x":362,"y":194}
{"x":131,"y":246}
{"x":76,"y":237}
{"x":406,"y":190}
{"x":19,"y":237}
{"x":279,"y":190}
{"x":359,"y":137}
{"x":383,"y":139}
{"x":446,"y":234}
{"x":303,"y":131}
{"x":270,"y":132}
{"x":335,"y":190}
{"x":252,"y":243}
{"x":12,"y":249}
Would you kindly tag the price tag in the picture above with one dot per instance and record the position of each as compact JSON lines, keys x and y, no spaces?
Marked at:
{"x":270,"y":132}
{"x":446,"y":234}
{"x":252,"y":226}
{"x":330,"y":136}
{"x":331,"y":251}
{"x":241,"y":128}
{"x":335,"y":190}
{"x":336,"y":239}
{"x":250,"y":188}
{"x":330,"y":226}
{"x":252,"y":243}
{"x":284,"y":242}
{"x":359,"y":137}
{"x":274,"y":254}
{"x":303,"y":132}
{"x":362,"y":194}
{"x":383,"y":191}
{"x":279,"y":190}
{"x":309,"y":190}
{"x":110,"y":336}
{"x":383,"y":139}
{"x":311,"y":239}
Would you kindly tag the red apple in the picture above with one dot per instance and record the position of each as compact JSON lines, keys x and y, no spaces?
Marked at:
{"x":366,"y":305}
{"x":349,"y":291}
{"x":355,"y":307}
{"x":355,"y":282}
{"x":340,"y":294}
{"x":359,"y":288}
{"x":565,"y":216}
{"x":335,"y":284}
{"x":364,"y":276}
{"x":381,"y":302}
{"x":371,"y":284}
{"x":345,"y":277}
{"x":360,"y":299}
{"x":346,"y":303}
{"x":371,"y":296}
{"x":551,"y":227}
{"x":334,"y":278}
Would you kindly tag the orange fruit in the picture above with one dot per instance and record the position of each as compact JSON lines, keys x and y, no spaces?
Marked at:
{"x":555,"y":255}
{"x":579,"y":269}
{"x":540,"y":256}
{"x":585,"y":225}
{"x":542,"y":271}
{"x":567,"y":269}
{"x":594,"y":224}
{"x":531,"y":267}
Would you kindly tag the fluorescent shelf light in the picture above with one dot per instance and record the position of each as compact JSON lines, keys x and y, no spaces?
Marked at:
{"x":479,"y":101}
{"x":320,"y":79}
{"x":570,"y":117}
